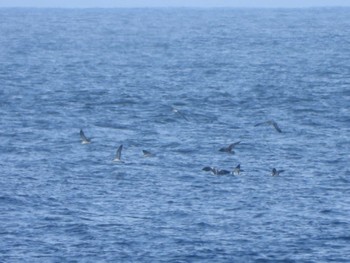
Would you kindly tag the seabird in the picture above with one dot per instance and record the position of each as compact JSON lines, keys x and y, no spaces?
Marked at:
{"x":229,"y":149}
{"x":179,"y":113}
{"x":83,"y":138}
{"x":215,"y":171}
{"x":207,"y":169}
{"x":221,"y":172}
{"x":147,"y":153}
{"x":275,"y":172}
{"x":270,"y":122}
{"x":119,"y":154}
{"x":237,"y":170}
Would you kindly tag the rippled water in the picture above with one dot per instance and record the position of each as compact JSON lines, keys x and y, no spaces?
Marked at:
{"x":117,"y":74}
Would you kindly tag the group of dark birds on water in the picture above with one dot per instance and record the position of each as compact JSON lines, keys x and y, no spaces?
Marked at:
{"x":215,"y":171}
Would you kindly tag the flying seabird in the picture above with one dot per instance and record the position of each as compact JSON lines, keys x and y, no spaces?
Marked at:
{"x":118,"y":156}
{"x":237,"y":170}
{"x":83,"y":138}
{"x":229,"y":149}
{"x":275,"y":172}
{"x":270,"y":122}
{"x":147,"y":153}
{"x":179,"y":113}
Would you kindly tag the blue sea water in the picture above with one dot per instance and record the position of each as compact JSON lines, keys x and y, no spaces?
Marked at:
{"x":116,"y":74}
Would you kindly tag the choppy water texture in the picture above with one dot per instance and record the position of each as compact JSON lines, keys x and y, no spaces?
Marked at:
{"x":116,"y":74}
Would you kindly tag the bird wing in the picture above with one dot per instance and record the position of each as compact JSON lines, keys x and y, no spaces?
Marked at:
{"x":276,"y":127}
{"x":230,"y":147}
{"x":270,"y":122}
{"x":146,"y":153}
{"x":175,"y":110}
{"x":260,"y":123}
{"x":181,"y":114}
{"x":119,"y":152}
{"x":207,"y":169}
{"x":82,"y":135}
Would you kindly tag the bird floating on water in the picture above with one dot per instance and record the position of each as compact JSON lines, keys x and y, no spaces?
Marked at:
{"x":83,"y":138}
{"x":229,"y":149}
{"x":276,"y":172}
{"x":270,"y":122}
{"x":118,"y":156}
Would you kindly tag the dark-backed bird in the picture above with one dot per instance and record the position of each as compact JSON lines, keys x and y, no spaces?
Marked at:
{"x":207,"y":169}
{"x":270,"y":122}
{"x":118,"y":155}
{"x":237,"y":170}
{"x":147,"y":153}
{"x":276,"y":172}
{"x":229,"y":149}
{"x":221,"y":172}
{"x":83,"y":138}
{"x":215,"y":171}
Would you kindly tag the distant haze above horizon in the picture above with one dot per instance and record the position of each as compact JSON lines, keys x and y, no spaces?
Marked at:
{"x":172,"y":3}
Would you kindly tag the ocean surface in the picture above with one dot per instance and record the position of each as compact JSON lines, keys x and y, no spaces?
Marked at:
{"x":117,"y":74}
